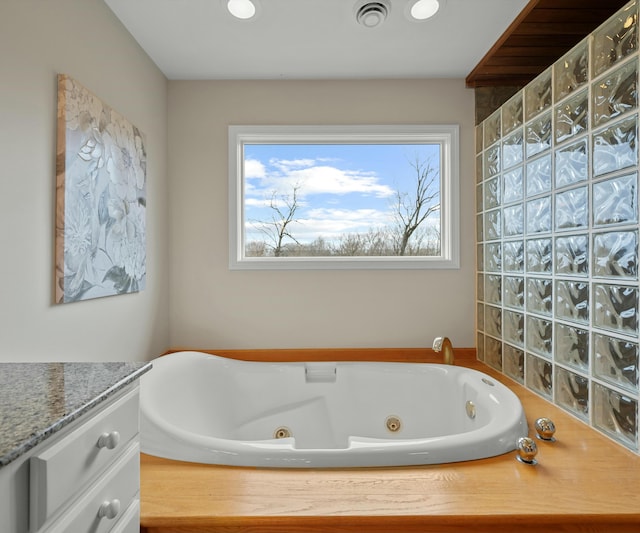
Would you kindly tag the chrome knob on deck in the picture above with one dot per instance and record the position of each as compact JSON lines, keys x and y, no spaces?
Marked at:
{"x":527,"y":450}
{"x":545,"y":428}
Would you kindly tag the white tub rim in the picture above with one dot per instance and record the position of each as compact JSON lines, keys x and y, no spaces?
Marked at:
{"x":281,"y":446}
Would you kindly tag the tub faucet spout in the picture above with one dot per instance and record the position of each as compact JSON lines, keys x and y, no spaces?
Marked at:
{"x":443,"y":344}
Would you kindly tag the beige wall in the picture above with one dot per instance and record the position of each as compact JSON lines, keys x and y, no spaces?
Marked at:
{"x":82,"y":38}
{"x":210,"y":305}
{"x":213,"y":307}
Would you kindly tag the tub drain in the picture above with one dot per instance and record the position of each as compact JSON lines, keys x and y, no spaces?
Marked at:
{"x":282,"y":432}
{"x":393,"y":424}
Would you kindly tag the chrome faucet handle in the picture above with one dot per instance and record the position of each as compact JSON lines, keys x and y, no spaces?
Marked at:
{"x":527,"y":450}
{"x":545,"y":428}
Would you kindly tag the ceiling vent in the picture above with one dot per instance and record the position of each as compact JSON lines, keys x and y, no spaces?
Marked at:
{"x":371,"y":14}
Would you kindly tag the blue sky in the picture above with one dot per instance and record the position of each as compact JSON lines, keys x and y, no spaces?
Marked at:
{"x":341,"y":188}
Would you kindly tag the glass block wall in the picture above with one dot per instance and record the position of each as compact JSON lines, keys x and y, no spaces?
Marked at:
{"x":557,"y":231}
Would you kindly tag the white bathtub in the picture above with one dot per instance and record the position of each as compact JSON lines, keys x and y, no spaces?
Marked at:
{"x":208,"y":409}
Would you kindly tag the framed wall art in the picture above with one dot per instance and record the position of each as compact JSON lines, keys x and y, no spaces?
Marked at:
{"x":100,"y":198}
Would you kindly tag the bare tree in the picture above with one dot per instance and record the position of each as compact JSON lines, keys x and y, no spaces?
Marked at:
{"x":319,"y":247}
{"x":256,"y":249}
{"x":412,"y":210}
{"x":282,"y":216}
{"x":351,"y":245}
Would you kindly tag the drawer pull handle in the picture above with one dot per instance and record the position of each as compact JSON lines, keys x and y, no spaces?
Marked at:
{"x":109,"y":440}
{"x":109,"y":510}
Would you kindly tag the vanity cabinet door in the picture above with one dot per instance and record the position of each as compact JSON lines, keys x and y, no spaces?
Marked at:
{"x":104,"y":504}
{"x":61,"y":470}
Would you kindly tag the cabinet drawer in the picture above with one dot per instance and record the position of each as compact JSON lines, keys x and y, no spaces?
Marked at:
{"x":64,"y":468}
{"x":130,"y":521}
{"x":121,"y":482}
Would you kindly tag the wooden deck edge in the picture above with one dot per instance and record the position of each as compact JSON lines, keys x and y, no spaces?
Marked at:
{"x":280,"y":355}
{"x":524,"y":523}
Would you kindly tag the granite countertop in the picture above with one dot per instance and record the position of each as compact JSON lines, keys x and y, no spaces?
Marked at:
{"x":38,"y":399}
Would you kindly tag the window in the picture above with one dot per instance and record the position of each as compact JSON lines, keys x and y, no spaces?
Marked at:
{"x":321,"y":197}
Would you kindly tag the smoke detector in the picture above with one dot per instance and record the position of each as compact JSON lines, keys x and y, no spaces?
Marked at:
{"x":372,"y":13}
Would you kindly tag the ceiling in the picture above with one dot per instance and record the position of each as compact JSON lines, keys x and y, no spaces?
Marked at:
{"x":487,"y":42}
{"x":313,"y":39}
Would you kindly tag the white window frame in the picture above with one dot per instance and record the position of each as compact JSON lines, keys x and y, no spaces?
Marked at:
{"x":447,"y":136}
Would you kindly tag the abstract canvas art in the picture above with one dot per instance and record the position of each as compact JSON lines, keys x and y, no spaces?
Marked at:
{"x":100,"y":198}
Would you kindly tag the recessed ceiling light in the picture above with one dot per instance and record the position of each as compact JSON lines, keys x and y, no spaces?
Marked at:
{"x":424,"y":9}
{"x":242,"y":9}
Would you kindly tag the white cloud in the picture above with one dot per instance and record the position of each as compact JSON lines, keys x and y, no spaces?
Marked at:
{"x":333,"y":223}
{"x":311,"y":178}
{"x":286,"y":165}
{"x":256,"y":202}
{"x":349,"y":217}
{"x":332,"y":180}
{"x":254,"y":169}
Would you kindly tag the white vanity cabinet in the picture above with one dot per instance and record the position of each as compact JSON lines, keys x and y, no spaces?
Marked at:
{"x":89,"y":479}
{"x":84,"y":478}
